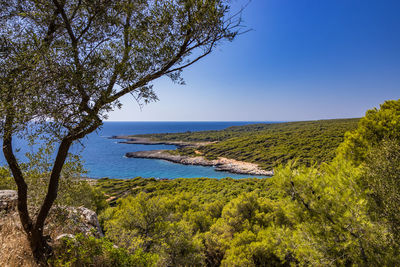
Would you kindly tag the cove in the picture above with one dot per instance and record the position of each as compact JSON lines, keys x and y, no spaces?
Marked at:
{"x":105,"y":157}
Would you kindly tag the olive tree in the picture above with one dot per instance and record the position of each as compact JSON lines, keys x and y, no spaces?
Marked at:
{"x":68,"y":62}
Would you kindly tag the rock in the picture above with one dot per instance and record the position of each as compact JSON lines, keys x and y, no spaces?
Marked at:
{"x":71,"y":236}
{"x":220,"y":164}
{"x":78,"y":219}
{"x":8,"y":200}
{"x":85,"y":221}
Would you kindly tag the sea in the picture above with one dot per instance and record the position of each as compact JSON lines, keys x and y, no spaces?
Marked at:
{"x":105,"y":157}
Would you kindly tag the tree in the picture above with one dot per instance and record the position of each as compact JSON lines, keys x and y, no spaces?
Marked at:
{"x":373,"y":128}
{"x":68,"y":62}
{"x":382,"y":180}
{"x":375,"y":145}
{"x":332,"y":224}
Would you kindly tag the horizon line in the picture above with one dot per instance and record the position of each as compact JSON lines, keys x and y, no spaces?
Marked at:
{"x":277,"y":121}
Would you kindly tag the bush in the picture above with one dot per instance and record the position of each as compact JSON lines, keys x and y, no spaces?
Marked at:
{"x":89,"y":251}
{"x":382,"y":180}
{"x":6,"y":181}
{"x":377,"y":125}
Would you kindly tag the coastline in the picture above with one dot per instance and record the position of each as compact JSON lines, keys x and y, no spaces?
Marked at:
{"x":220,"y":164}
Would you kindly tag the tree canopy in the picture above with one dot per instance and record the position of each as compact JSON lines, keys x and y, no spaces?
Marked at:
{"x":68,"y":62}
{"x":377,"y":125}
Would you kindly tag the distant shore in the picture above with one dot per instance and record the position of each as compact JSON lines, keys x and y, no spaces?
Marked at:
{"x":147,"y":141}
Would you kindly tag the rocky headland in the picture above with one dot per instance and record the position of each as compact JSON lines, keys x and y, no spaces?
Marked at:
{"x":220,"y":164}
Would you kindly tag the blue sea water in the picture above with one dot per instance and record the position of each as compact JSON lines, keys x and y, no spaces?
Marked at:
{"x":105,"y":157}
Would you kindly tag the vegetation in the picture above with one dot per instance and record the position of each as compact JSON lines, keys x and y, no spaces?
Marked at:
{"x":73,"y":191}
{"x":377,"y":125}
{"x":205,"y":189}
{"x":269,"y":145}
{"x":90,"y":251}
{"x":67,"y":63}
{"x":341,"y":212}
{"x":382,"y":179}
{"x":301,"y":216}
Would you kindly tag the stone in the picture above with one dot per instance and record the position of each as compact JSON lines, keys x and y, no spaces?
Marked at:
{"x":85,"y":220}
{"x":8,"y":200}
{"x":71,"y":236}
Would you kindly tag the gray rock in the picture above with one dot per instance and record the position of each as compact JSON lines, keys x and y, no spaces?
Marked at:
{"x":220,"y":164}
{"x":8,"y":200}
{"x":85,"y":220}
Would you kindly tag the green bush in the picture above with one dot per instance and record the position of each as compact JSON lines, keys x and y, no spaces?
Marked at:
{"x":382,"y":181}
{"x":373,"y":128}
{"x":6,"y":181}
{"x":316,"y":215}
{"x":89,"y":251}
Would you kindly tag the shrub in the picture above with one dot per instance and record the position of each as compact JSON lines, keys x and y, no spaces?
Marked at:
{"x":89,"y":251}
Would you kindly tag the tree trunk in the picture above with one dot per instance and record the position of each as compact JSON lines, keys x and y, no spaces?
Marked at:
{"x":22,"y":203}
{"x":41,"y":250}
{"x":52,"y":190}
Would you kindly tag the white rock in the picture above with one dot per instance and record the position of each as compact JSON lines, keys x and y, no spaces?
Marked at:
{"x":65,"y":235}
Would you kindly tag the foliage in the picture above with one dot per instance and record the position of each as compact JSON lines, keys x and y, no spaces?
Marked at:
{"x":171,"y":218}
{"x":89,"y":251}
{"x":206,"y":190}
{"x":6,"y":181}
{"x":301,"y":216}
{"x":332,"y":211}
{"x":269,"y":144}
{"x":74,"y":191}
{"x":375,"y":126}
{"x":69,"y":62}
{"x":382,"y":180}
{"x":150,"y":225}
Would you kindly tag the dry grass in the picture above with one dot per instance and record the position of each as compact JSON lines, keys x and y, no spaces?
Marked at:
{"x":14,"y":247}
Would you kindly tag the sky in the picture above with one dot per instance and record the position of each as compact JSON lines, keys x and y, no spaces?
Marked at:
{"x":301,"y":60}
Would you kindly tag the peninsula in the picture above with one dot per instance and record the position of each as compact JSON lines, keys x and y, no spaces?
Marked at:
{"x":254,"y":149}
{"x":220,"y":164}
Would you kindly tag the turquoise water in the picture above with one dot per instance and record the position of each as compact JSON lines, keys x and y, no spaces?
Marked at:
{"x":105,"y":157}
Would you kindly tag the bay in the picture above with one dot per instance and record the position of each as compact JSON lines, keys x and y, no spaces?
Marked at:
{"x":105,"y":157}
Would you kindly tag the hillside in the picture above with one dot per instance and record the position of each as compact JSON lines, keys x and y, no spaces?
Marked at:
{"x":267,"y":144}
{"x":205,"y":189}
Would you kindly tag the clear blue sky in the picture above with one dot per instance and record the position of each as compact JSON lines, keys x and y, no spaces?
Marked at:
{"x":303,"y":60}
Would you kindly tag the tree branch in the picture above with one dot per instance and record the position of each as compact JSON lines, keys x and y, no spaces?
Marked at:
{"x":74,"y":42}
{"x":142,"y":82}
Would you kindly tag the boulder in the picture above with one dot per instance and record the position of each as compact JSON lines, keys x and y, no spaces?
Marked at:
{"x":78,"y":219}
{"x":8,"y":200}
{"x":84,"y":220}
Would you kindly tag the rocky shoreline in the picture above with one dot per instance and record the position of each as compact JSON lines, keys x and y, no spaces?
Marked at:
{"x":220,"y":164}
